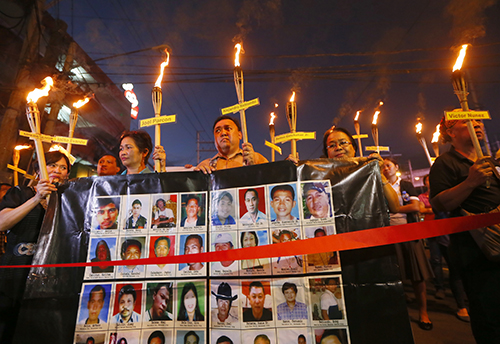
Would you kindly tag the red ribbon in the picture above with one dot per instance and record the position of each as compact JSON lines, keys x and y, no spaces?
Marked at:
{"x":340,"y":242}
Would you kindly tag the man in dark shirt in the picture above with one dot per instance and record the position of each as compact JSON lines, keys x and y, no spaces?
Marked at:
{"x":459,"y":179}
{"x":256,"y":297}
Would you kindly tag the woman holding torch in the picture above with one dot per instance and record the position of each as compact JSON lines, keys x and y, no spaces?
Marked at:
{"x":21,"y":213}
{"x":135,"y":149}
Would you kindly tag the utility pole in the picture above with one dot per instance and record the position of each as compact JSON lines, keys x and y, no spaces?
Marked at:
{"x":198,"y":149}
{"x":17,"y":102}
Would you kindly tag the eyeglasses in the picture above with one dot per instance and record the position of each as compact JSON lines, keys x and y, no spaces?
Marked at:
{"x":340,"y":144}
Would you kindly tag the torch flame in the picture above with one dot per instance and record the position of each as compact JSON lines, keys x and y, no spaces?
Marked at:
{"x":55,"y":148}
{"x":162,"y":69}
{"x":36,"y":94}
{"x":375,"y":117}
{"x":380,"y":103}
{"x":239,"y":49}
{"x":292,"y":98}
{"x":460,"y":58}
{"x":357,"y":115}
{"x":81,"y":102}
{"x":21,"y":147}
{"x":273,"y":116}
{"x":418,"y":126}
{"x":435,"y":136}
{"x":275,"y":105}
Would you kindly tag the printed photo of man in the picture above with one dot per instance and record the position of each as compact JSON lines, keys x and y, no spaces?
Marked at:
{"x":193,"y":210}
{"x":291,"y":309}
{"x":131,"y":249}
{"x":193,"y":244}
{"x":317,"y":200}
{"x":161,"y":246}
{"x":283,"y":203}
{"x":329,"y":301}
{"x":126,"y":301}
{"x":224,"y":242}
{"x":163,"y":216}
{"x":136,"y":220}
{"x":161,"y":294}
{"x":223,"y":204}
{"x":98,"y":299}
{"x":251,"y":201}
{"x":256,"y":297}
{"x":107,"y":211}
{"x":224,"y":313}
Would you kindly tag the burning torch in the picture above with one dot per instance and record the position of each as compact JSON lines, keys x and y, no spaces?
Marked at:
{"x":460,"y":88}
{"x":157,"y":100}
{"x":291,"y":116}
{"x":435,"y":141}
{"x":375,"y":130}
{"x":15,"y":159}
{"x":238,"y":84}
{"x":358,"y":132}
{"x":33,"y":115}
{"x":422,"y":142}
{"x":272,"y":133}
{"x":73,"y":118}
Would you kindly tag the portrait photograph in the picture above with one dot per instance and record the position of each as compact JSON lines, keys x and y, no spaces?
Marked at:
{"x":191,"y":302}
{"x":106,"y":214}
{"x":94,"y":307}
{"x":223,"y":204}
{"x":261,"y":336}
{"x":157,"y":336}
{"x":161,"y":246}
{"x":130,"y":248}
{"x":316,"y":202}
{"x":163,"y":212}
{"x":190,"y":337}
{"x":283,"y":205}
{"x":292,"y":303}
{"x":331,"y":336}
{"x":252,"y":207}
{"x":257,"y":302}
{"x":101,"y":249}
{"x":224,"y":304}
{"x":301,"y":335}
{"x":192,"y":244}
{"x":193,"y":211}
{"x":90,"y":337}
{"x":324,"y":261}
{"x":128,"y":337}
{"x":327,"y":301}
{"x":127,"y":306}
{"x":225,"y":337}
{"x":224,"y":241}
{"x":159,"y":305}
{"x":137,"y":216}
{"x":256,"y":266}
{"x":287,"y":264}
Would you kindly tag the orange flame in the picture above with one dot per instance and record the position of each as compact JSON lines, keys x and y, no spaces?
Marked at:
{"x":36,"y":94}
{"x":21,"y":147}
{"x":380,"y":103}
{"x":435,"y":136}
{"x":375,"y":117}
{"x":273,"y":116}
{"x":81,"y":102}
{"x":460,"y":58}
{"x":292,"y":98}
{"x":162,"y":69}
{"x":418,"y":126}
{"x":357,"y":115}
{"x":239,"y":50}
{"x":55,"y":148}
{"x":275,"y":105}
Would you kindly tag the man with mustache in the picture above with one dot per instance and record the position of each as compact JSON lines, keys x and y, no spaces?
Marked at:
{"x":126,"y":304}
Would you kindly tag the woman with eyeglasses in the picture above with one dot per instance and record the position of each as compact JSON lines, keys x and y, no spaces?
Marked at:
{"x":21,"y":213}
{"x":338,"y":143}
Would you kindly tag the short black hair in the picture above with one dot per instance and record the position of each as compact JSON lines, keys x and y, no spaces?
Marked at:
{"x":284,"y":187}
{"x":136,"y":201}
{"x":255,"y":284}
{"x":251,"y":190}
{"x":191,"y":333}
{"x":233,"y":119}
{"x":102,"y":202}
{"x":97,"y":288}
{"x":142,"y":141}
{"x":194,"y":236}
{"x":127,"y":290}
{"x":130,"y":242}
{"x":252,"y":233}
{"x":53,"y":157}
{"x":223,"y":339}
{"x":288,"y":285}
{"x":162,"y":238}
{"x":156,"y":334}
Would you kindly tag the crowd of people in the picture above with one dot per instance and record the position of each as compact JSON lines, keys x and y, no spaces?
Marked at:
{"x":458,"y":180}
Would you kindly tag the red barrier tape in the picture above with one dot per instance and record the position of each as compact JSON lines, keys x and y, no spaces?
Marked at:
{"x":340,"y":242}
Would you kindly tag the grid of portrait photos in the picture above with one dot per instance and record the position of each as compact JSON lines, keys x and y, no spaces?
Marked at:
{"x":265,"y":300}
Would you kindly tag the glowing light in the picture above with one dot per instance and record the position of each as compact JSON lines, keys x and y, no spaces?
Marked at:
{"x":275,"y":105}
{"x":417,"y":178}
{"x":36,"y":94}
{"x":375,"y":117}
{"x":398,"y":174}
{"x":460,"y":58}
{"x":273,"y":116}
{"x":239,"y":49}
{"x":55,"y":148}
{"x":162,"y":69}
{"x":380,"y":103}
{"x":435,"y":136}
{"x":292,"y":98}
{"x":81,"y":102}
{"x":357,"y":115}
{"x":418,"y":126}
{"x":21,"y":147}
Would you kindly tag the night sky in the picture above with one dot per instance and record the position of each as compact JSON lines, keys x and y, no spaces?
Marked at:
{"x":340,"y":58}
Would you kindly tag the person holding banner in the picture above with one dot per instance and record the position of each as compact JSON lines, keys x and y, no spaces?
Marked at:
{"x":338,"y":143}
{"x":227,"y":134}
{"x":460,"y":180}
{"x":21,"y":213}
{"x":135,"y":148}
